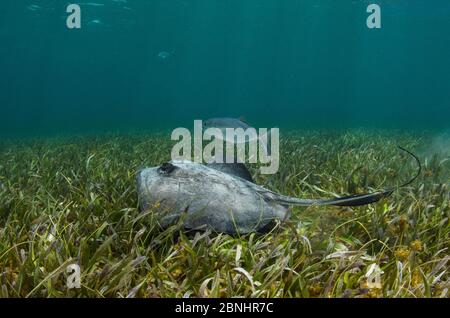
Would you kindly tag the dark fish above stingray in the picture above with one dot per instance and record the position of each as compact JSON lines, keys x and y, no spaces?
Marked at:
{"x":206,"y":197}
{"x":235,"y":169}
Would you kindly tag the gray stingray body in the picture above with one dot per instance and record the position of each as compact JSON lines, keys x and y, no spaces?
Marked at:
{"x":206,"y":197}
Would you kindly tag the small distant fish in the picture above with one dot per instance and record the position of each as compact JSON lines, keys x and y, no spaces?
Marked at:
{"x":34,"y":7}
{"x":164,"y":55}
{"x":92,"y":4}
{"x":95,"y":22}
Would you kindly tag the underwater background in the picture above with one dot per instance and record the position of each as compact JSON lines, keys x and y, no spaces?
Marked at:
{"x":83,"y":111}
{"x":160,"y":64}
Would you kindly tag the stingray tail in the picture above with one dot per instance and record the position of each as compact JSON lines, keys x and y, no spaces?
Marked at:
{"x":351,"y":200}
{"x":356,"y":199}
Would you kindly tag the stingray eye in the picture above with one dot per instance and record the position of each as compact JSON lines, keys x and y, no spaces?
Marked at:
{"x":166,"y":168}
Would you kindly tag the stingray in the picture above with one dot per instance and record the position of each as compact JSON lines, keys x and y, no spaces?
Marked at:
{"x":225,"y":199}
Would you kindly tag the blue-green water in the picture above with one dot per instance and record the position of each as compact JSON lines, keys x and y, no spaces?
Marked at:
{"x":160,"y":64}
